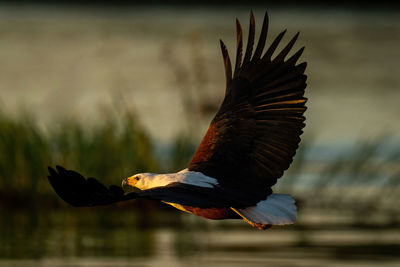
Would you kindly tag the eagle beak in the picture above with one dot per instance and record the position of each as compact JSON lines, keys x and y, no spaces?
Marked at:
{"x":129,"y":184}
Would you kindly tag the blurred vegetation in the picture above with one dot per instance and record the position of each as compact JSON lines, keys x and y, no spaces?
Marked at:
{"x":361,"y":180}
{"x":114,"y":149}
{"x":365,"y":180}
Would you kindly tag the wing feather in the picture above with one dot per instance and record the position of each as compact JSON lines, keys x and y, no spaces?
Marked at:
{"x":253,"y":137}
{"x":227,"y":63}
{"x":250,"y":41}
{"x":281,"y":56}
{"x":263,"y":38}
{"x":273,"y":46}
{"x":239,"y":45}
{"x":78,"y":191}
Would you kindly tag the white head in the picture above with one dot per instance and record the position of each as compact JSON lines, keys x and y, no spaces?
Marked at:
{"x":140,"y":181}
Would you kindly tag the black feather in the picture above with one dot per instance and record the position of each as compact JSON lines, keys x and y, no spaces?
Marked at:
{"x":77,"y":191}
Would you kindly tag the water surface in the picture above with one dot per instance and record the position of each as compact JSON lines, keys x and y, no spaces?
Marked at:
{"x":102,"y":237}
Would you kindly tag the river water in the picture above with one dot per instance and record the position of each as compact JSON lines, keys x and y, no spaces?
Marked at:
{"x":97,"y":237}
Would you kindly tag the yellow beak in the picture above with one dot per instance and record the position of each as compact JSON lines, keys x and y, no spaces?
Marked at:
{"x":129,"y":184}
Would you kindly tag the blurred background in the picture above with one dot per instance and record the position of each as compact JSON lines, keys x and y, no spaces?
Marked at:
{"x":116,"y":89}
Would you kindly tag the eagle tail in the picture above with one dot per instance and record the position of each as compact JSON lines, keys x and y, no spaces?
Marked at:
{"x":277,"y":209}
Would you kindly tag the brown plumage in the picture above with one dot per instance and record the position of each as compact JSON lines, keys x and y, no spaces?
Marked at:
{"x":255,"y":134}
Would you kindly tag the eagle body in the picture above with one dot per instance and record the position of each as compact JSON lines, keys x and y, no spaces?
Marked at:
{"x":146,"y":181}
{"x":249,"y":144}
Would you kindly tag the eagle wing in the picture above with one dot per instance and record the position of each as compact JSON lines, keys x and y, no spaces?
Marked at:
{"x":253,"y":137}
{"x":79,"y":191}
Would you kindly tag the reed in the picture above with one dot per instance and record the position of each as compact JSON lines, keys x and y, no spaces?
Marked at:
{"x":114,"y":149}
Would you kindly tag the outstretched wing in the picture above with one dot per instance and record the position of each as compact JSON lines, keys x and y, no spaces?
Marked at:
{"x":253,"y":137}
{"x":77,"y":191}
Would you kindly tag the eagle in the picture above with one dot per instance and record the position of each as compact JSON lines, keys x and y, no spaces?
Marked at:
{"x":249,"y":144}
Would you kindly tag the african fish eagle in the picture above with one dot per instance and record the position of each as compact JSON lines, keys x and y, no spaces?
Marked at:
{"x":249,"y":144}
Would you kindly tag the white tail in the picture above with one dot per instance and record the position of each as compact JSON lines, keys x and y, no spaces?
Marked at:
{"x":277,"y":209}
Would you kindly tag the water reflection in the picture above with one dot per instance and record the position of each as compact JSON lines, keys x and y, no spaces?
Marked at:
{"x":120,"y":238}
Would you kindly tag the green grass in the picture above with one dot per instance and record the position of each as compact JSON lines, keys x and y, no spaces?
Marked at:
{"x":116,"y":148}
